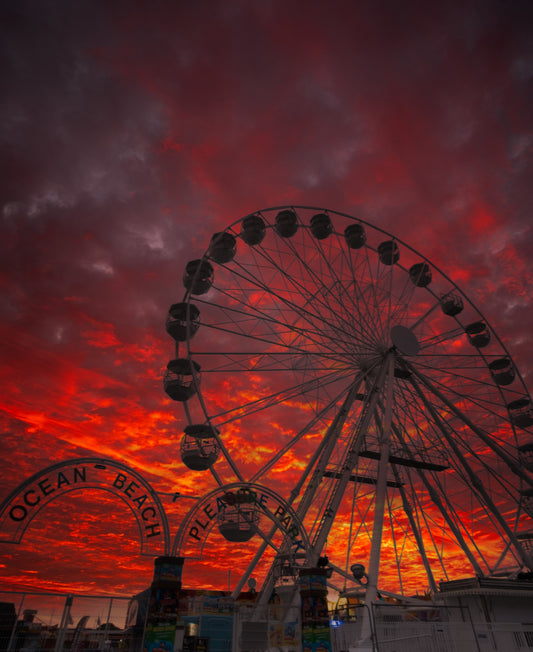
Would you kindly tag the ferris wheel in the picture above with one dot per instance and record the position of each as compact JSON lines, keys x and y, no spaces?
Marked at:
{"x":326,"y":361}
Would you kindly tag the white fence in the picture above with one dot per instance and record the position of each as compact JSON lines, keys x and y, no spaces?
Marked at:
{"x":41,"y":621}
{"x":445,"y":629}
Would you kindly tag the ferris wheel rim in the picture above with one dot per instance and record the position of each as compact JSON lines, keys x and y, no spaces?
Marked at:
{"x":189,"y":298}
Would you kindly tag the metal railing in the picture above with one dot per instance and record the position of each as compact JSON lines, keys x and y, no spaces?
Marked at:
{"x":89,"y":623}
{"x":48,"y":621}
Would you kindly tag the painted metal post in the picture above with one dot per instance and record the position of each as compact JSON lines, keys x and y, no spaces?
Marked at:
{"x":65,"y":618}
{"x":366,"y":642}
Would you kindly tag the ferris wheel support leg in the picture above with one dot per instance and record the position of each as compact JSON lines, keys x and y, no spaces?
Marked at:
{"x":445,"y":508}
{"x":366,"y":640}
{"x":416,"y":531}
{"x":319,"y":463}
{"x":408,"y":509}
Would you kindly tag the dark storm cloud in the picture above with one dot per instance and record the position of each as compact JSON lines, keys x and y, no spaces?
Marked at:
{"x":69,"y":127}
{"x":79,"y":193}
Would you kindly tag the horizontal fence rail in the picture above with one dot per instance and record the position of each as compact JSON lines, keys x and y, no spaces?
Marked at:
{"x":48,"y":621}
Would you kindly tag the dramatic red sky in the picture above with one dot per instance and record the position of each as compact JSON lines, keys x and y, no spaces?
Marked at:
{"x":133,"y":131}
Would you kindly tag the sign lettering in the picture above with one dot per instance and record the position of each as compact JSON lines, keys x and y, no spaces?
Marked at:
{"x":234,"y":500}
{"x":18,"y":510}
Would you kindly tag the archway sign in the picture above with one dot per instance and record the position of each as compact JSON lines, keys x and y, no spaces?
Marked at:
{"x":195,"y":527}
{"x":278,"y":517}
{"x":23,"y":504}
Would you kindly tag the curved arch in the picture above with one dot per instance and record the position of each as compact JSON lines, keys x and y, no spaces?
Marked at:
{"x":24,"y":503}
{"x":279,"y":517}
{"x":198,"y":522}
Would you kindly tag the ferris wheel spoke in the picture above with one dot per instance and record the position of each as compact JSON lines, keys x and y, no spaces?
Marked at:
{"x":415,"y":528}
{"x":371,"y":294}
{"x":503,"y":489}
{"x":459,"y":387}
{"x":436,"y":339}
{"x":316,"y":318}
{"x":508,"y":459}
{"x":248,"y":408}
{"x":346,"y":302}
{"x":472,"y":476}
{"x":443,"y":505}
{"x":308,"y":427}
{"x":414,"y":415}
{"x":307,"y":320}
{"x":375,"y":301}
{"x":238,"y":362}
{"x":394,"y":527}
{"x":397,"y":303}
{"x":301,"y":343}
{"x":297,"y":283}
{"x":425,"y":317}
{"x":244,"y":320}
{"x":469,"y":531}
{"x":431,"y":528}
{"x":343,"y":286}
{"x":368,"y":317}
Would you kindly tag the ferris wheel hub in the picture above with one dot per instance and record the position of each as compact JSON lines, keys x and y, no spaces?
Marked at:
{"x":404,"y":340}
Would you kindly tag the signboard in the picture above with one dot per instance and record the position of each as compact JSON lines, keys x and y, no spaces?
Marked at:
{"x":316,"y":636}
{"x":195,"y":528}
{"x":22,"y":505}
{"x":160,"y":638}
